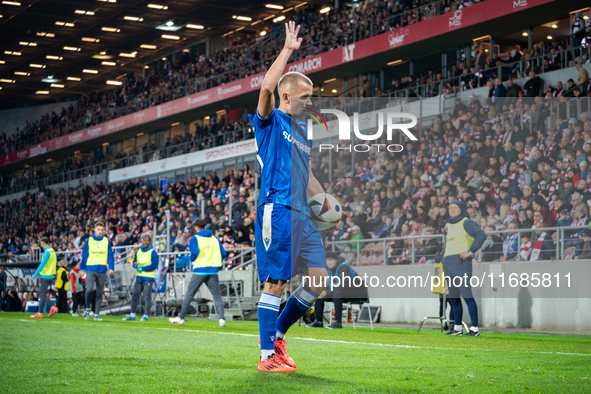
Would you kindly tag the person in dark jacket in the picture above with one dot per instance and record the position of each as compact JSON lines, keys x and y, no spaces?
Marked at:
{"x":543,"y":248}
{"x":5,"y":304}
{"x":464,"y":238}
{"x":430,"y":249}
{"x":2,"y":279}
{"x":533,"y":85}
{"x":16,"y":303}
{"x":342,"y":292}
{"x":492,"y":249}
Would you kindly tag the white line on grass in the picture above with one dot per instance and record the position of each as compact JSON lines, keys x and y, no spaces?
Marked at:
{"x":334,"y":340}
{"x":371,"y":343}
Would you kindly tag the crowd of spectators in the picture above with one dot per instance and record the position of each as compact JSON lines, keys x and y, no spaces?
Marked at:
{"x":76,"y":166}
{"x":486,"y":68}
{"x":334,"y":28}
{"x":244,"y":56}
{"x":129,"y":210}
{"x":508,"y":177}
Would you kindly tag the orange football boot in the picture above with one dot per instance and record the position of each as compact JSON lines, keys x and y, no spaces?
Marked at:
{"x":281,"y":353}
{"x":274,"y":364}
{"x":52,"y":311}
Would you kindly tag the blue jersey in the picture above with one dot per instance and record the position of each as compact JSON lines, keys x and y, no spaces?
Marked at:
{"x":283,"y":152}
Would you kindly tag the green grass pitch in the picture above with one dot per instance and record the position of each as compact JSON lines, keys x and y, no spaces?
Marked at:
{"x":66,"y":354}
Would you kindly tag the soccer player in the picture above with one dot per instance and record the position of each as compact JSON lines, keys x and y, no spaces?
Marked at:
{"x":286,"y":239}
{"x":207,"y":254}
{"x":97,"y":259}
{"x":46,"y":270}
{"x":145,"y":260}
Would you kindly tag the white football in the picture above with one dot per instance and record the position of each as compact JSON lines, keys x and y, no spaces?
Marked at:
{"x":325,"y":211}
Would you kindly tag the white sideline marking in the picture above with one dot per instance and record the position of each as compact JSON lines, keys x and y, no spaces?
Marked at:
{"x":336,"y":341}
{"x":376,"y":344}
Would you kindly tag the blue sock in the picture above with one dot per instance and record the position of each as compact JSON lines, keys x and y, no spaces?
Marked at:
{"x":267,"y":313}
{"x":296,"y":306}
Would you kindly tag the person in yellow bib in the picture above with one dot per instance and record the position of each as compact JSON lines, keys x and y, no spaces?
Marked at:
{"x":145,"y":260}
{"x":62,"y":286}
{"x":46,"y":271}
{"x":207,"y":254}
{"x":462,"y":241}
{"x":97,"y":260}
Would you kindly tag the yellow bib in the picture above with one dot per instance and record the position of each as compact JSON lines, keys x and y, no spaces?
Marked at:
{"x":58,"y":280}
{"x":144,"y":259}
{"x":50,"y":267}
{"x":209,"y":252}
{"x":98,"y":251}
{"x":457,"y":240}
{"x":439,"y":273}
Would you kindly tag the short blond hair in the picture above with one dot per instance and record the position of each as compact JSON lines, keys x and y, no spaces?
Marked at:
{"x":291,"y":79}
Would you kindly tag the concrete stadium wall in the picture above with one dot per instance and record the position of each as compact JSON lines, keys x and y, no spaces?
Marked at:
{"x":572,"y":315}
{"x":10,"y":119}
{"x":568,"y":315}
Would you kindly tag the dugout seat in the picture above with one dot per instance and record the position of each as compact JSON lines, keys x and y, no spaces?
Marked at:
{"x":364,"y":309}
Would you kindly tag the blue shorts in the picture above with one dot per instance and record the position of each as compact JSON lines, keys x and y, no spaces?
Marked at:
{"x":287,"y":241}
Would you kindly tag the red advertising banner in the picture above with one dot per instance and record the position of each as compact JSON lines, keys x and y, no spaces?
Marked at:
{"x":439,"y":25}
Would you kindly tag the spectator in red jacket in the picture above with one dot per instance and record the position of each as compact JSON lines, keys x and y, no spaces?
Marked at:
{"x":76,"y":287}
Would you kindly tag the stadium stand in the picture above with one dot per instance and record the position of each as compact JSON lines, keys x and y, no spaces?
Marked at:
{"x":503,"y":168}
{"x":178,"y":80}
{"x":519,"y":151}
{"x":240,"y":59}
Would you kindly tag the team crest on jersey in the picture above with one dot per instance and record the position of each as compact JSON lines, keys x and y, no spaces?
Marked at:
{"x":267,"y":226}
{"x":267,"y":242}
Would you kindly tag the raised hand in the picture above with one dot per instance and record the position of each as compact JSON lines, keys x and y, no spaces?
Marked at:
{"x":291,"y":36}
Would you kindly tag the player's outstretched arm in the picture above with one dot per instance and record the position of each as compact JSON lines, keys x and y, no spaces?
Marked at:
{"x":292,"y":43}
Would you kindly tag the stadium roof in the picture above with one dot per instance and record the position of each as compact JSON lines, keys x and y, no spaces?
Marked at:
{"x":62,"y":38}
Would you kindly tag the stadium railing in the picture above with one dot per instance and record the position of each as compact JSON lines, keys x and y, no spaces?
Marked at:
{"x":481,"y":77}
{"x":377,"y":251}
{"x":139,"y":156}
{"x":430,"y":89}
{"x":118,"y":285}
{"x":557,"y":106}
